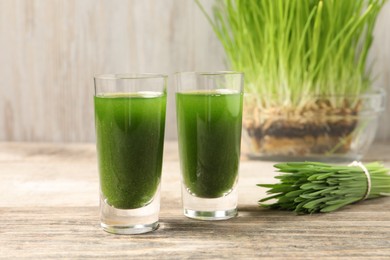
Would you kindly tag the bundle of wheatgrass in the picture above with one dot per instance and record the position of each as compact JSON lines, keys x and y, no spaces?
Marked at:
{"x":311,"y":187}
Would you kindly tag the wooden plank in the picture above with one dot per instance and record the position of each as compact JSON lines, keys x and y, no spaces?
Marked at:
{"x":50,"y":50}
{"x":74,"y":232}
{"x":48,"y":209}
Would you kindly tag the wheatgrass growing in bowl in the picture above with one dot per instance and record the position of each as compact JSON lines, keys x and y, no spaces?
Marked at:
{"x":310,"y":92}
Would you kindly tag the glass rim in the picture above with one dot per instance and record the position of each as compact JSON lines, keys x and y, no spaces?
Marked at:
{"x":122,"y":76}
{"x":209,"y":73}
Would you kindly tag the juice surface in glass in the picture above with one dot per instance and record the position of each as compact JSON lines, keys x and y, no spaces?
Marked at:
{"x":209,"y":129}
{"x":130,"y":136}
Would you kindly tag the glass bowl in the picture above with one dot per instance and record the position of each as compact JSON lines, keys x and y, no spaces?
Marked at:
{"x":330,"y":129}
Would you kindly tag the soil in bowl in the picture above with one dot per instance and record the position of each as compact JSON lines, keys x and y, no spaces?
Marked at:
{"x":316,"y":129}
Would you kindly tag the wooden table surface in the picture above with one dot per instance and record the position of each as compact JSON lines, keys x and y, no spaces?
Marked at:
{"x":49,"y":209}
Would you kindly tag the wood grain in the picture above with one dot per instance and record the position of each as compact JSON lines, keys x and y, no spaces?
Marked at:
{"x":49,"y":209}
{"x":51,"y":49}
{"x":73,"y":232}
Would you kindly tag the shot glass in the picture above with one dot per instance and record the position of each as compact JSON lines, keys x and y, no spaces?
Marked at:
{"x":209,"y":118}
{"x":130,"y":124}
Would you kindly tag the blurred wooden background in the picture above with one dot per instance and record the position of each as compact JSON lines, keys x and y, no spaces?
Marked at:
{"x":50,"y":50}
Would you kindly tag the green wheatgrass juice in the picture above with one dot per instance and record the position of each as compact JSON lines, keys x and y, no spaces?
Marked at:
{"x":130,"y":136}
{"x":209,"y":129}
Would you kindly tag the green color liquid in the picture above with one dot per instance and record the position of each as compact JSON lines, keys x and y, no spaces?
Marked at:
{"x":130,"y":139}
{"x":209,"y":129}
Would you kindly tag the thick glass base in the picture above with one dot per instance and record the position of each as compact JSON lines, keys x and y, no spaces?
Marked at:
{"x":130,"y":230}
{"x":338,"y":158}
{"x":209,"y":209}
{"x":130,"y":221}
{"x":211,"y":215}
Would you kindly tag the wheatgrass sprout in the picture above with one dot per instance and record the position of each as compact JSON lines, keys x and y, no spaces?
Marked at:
{"x":294,"y":50}
{"x":311,"y":187}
